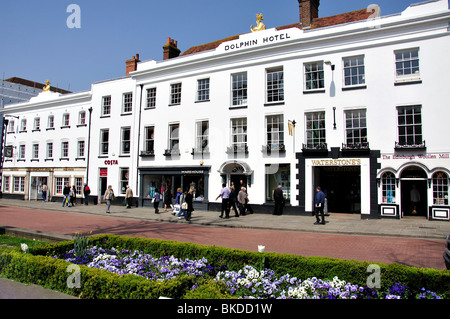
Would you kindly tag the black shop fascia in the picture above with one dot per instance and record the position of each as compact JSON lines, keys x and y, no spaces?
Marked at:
{"x":171,"y":179}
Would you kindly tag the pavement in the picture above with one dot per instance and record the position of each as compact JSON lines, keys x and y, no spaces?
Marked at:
{"x":350,"y":224}
{"x":414,"y":241}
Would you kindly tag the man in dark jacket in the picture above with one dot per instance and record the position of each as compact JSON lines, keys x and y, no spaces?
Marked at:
{"x":279,"y":201}
{"x":319,"y":203}
{"x":66,"y":193}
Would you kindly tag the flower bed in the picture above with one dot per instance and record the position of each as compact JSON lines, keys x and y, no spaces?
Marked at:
{"x":251,"y":283}
{"x":245,"y":283}
{"x":125,"y":262}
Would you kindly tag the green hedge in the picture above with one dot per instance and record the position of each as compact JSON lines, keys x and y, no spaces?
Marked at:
{"x":95,"y":283}
{"x":298,"y":266}
{"x":38,"y":267}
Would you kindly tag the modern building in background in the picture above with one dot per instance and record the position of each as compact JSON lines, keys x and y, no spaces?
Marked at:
{"x":355,"y":103}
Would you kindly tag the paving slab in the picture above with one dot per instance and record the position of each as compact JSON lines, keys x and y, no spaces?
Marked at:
{"x":409,"y":241}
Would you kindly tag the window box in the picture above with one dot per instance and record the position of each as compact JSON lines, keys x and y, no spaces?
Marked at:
{"x":147,"y":154}
{"x":237,"y":149}
{"x":315,"y":149}
{"x":410,"y":147}
{"x":172,"y":152}
{"x":357,"y":148}
{"x":275,"y":148}
{"x":200,"y":150}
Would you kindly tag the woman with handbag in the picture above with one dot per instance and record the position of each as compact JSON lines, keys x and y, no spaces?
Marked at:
{"x":177,"y":206}
{"x":183,"y":205}
{"x":190,"y":207}
{"x":109,"y":196}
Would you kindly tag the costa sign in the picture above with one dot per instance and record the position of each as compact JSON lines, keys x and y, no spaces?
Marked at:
{"x":111,"y":162}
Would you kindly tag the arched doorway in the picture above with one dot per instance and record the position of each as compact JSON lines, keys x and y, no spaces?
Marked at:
{"x":414,"y":190}
{"x":233,"y":172}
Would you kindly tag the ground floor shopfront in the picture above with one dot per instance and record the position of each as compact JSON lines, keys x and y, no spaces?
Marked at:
{"x":368,"y":183}
{"x":259,"y":179}
{"x":347,"y":179}
{"x":414,"y":185}
{"x":376,"y":185}
{"x":167,"y":181}
{"x":41,"y":183}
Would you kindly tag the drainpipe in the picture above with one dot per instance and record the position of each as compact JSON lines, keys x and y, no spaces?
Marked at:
{"x":138,"y":143}
{"x":89,"y":145}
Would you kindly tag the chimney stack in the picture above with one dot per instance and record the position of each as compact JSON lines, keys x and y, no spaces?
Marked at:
{"x":171,"y":49}
{"x":131,"y":65}
{"x":309,"y":10}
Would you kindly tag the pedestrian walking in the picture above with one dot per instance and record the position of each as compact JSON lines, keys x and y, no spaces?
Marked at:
{"x":319,"y":203}
{"x":66,"y":193}
{"x":87,"y":192}
{"x":279,"y":201}
{"x":190,"y":205}
{"x":167,"y":199}
{"x":233,"y":201}
{"x":242,"y":200}
{"x":177,"y":205}
{"x":248,"y":207}
{"x":73,"y":196}
{"x":225,"y":194}
{"x":183,"y":205}
{"x":44,"y":192}
{"x":156,"y":200}
{"x":108,"y":197}
{"x":129,"y":196}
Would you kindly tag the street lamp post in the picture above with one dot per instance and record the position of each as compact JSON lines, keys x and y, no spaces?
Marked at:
{"x":5,"y":122}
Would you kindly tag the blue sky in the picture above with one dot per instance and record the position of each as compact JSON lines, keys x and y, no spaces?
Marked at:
{"x":36,"y":43}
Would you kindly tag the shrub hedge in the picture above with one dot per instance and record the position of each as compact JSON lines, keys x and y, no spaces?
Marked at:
{"x":39,"y":267}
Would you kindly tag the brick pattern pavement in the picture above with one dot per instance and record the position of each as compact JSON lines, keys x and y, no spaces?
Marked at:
{"x":283,"y":234}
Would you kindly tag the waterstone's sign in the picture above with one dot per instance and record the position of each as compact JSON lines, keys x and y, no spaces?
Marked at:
{"x":337,"y":162}
{"x":260,"y":38}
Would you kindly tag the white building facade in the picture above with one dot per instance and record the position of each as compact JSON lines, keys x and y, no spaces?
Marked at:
{"x":46,"y":144}
{"x":350,"y":103}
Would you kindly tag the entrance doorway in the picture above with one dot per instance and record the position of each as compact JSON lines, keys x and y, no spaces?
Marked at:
{"x":234,"y":172}
{"x":414,"y":192}
{"x":103,"y":187}
{"x":342,"y":187}
{"x":236,"y":180}
{"x":36,"y":187}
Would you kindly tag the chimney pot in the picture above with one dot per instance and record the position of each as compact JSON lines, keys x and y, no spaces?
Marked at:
{"x":170,"y":50}
{"x":131,"y":64}
{"x":309,"y":10}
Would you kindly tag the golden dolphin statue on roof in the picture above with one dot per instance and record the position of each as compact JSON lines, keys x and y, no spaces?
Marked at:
{"x":259,"y":25}
{"x":46,"y":88}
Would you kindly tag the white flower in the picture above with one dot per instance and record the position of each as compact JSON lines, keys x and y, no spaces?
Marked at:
{"x":261,"y":248}
{"x":24,"y":247}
